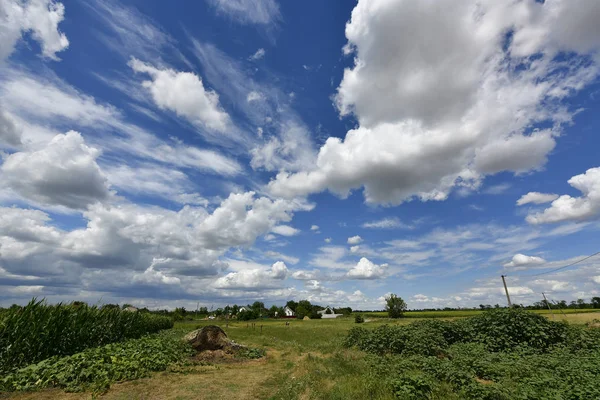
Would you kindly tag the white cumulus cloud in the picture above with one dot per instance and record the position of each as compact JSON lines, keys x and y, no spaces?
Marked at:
{"x":39,"y":17}
{"x":354,"y":240}
{"x":536,"y":198}
{"x":64,"y":173}
{"x":366,"y":269}
{"x":253,"y":278}
{"x":521,"y":260}
{"x":568,"y":208}
{"x":444,"y":99}
{"x":185,"y":94}
{"x":285,"y":230}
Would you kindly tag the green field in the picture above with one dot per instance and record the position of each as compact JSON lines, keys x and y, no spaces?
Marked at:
{"x":470,"y":313}
{"x":305,"y":360}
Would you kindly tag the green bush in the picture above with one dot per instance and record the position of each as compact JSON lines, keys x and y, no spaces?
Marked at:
{"x":359,"y":319}
{"x":96,"y":368}
{"x":499,"y":355}
{"x":497,"y":330}
{"x":38,"y":331}
{"x":505,"y":328}
{"x":414,"y":386}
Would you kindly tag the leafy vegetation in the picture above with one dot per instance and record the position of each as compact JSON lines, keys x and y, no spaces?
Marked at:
{"x":359,"y":319}
{"x":395,"y":306}
{"x":38,"y":331}
{"x":96,"y":368}
{"x":500,"y":354}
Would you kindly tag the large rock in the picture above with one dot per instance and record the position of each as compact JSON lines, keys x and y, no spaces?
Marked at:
{"x":210,"y":337}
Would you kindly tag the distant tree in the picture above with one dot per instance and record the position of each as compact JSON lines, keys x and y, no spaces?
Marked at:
{"x":573,"y":304}
{"x":258,"y":307}
{"x":247,"y":315}
{"x":395,"y":306}
{"x":343,"y":310}
{"x":328,"y":311}
{"x":359,"y":319}
{"x":596,"y":302}
{"x":562,"y":304}
{"x":235,"y":309}
{"x":111,"y":306}
{"x":181,"y":311}
{"x":302,"y":311}
{"x":580,"y":303}
{"x":306,"y":304}
{"x":275,"y":311}
{"x":124,"y":306}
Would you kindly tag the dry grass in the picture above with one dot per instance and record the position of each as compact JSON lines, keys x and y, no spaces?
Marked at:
{"x":574,"y":318}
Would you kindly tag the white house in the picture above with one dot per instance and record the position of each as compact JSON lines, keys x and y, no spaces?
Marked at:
{"x":288,"y":312}
{"x":242,"y":309}
{"x":328,"y":312}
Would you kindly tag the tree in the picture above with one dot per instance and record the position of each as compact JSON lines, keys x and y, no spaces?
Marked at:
{"x":275,"y":311}
{"x":328,"y":311}
{"x":395,"y":306}
{"x":247,"y":315}
{"x":596,"y":302}
{"x":302,"y":311}
{"x":580,"y":303}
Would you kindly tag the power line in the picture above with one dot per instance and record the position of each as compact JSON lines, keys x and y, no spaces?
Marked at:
{"x":563,"y":267}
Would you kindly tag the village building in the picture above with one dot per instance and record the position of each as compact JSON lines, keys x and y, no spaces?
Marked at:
{"x":288,"y":312}
{"x":328,"y":312}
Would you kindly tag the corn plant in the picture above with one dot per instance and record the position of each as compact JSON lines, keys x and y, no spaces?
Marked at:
{"x":39,"y":331}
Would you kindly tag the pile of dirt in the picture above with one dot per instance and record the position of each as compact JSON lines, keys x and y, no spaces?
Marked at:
{"x":212,"y":340}
{"x":210,"y":337}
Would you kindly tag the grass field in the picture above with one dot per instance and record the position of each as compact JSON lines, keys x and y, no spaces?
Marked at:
{"x":305,"y":360}
{"x":470,"y":313}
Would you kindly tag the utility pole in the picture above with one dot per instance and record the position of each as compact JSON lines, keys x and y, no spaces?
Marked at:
{"x":548,"y":304}
{"x":506,"y":290}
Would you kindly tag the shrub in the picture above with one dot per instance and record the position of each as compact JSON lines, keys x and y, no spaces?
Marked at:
{"x":497,"y":330}
{"x":39,"y":331}
{"x":503,"y":329}
{"x":414,"y":386}
{"x":359,"y":319}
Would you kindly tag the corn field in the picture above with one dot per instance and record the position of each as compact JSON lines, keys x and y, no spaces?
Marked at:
{"x":39,"y":331}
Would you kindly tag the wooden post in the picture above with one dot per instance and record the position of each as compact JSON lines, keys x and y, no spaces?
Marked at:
{"x":506,"y":290}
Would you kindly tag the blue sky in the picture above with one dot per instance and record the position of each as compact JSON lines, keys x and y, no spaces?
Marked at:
{"x":223,"y":152}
